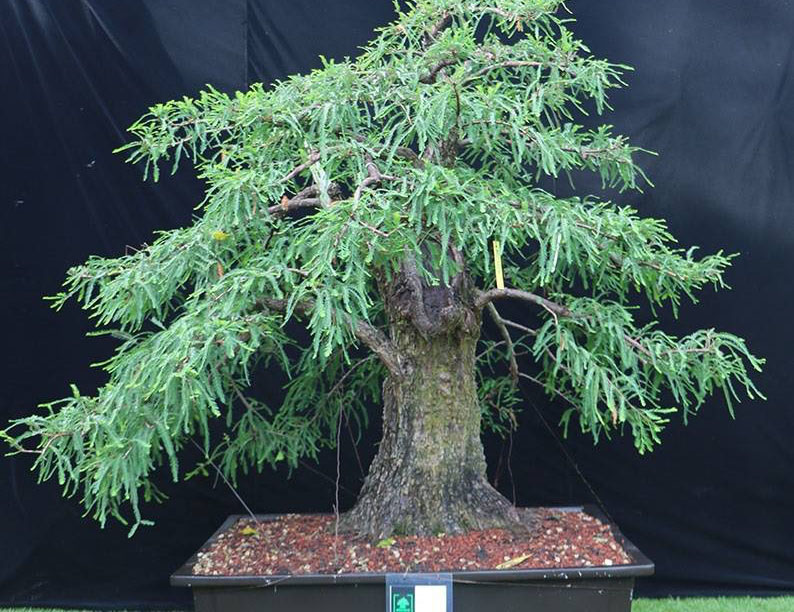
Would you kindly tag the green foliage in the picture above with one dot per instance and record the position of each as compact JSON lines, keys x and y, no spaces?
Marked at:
{"x":614,"y":374}
{"x":432,"y":141}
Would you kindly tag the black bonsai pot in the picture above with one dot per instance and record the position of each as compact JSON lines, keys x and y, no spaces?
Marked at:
{"x":581,"y":589}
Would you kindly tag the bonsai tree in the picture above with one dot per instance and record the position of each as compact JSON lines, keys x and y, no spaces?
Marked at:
{"x":359,"y":225}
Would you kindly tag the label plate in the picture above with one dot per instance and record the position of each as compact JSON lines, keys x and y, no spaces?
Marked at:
{"x":418,"y":592}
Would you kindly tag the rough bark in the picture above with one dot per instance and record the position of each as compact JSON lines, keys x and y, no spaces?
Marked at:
{"x":429,"y":473}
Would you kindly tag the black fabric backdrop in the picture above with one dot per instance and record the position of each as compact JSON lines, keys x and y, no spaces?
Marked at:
{"x":713,"y":92}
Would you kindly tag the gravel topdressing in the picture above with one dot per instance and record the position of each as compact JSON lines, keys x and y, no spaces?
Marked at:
{"x":306,"y":544}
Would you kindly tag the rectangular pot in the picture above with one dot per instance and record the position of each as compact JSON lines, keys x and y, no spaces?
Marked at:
{"x":582,"y":589}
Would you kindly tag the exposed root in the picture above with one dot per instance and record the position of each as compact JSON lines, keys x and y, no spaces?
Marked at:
{"x":432,"y":511}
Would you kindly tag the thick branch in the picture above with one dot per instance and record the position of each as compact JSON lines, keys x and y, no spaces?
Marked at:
{"x":379,"y":343}
{"x":369,"y":335}
{"x":306,"y":198}
{"x":293,"y":204}
{"x":484,"y":299}
{"x":494,"y":294}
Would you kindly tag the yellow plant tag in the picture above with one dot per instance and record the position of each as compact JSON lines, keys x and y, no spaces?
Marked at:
{"x":497,"y":263}
{"x":248,"y":531}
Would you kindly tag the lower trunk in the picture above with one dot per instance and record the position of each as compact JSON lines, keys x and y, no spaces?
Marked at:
{"x":429,"y":473}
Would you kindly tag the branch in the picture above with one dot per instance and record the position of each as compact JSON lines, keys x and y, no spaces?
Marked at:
{"x":369,"y":335}
{"x":379,"y":343}
{"x":618,"y":261}
{"x":314,"y":157}
{"x":409,"y":153}
{"x":637,"y":345}
{"x":511,"y":353}
{"x":583,"y":152}
{"x":429,"y":38}
{"x":500,"y":13}
{"x":306,"y":198}
{"x":483,"y":298}
{"x":441,"y":25}
{"x":374,"y":177}
{"x":645,"y":356}
{"x":506,"y":64}
{"x":338,"y":384}
{"x":404,"y":152}
{"x":555,"y":390}
{"x":294,"y":204}
{"x":518,"y":326}
{"x":18,"y":448}
{"x":431,"y":76}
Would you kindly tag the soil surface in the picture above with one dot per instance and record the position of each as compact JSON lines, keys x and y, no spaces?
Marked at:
{"x":306,"y":544}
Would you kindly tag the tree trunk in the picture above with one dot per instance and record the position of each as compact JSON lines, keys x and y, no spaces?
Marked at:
{"x":429,"y":473}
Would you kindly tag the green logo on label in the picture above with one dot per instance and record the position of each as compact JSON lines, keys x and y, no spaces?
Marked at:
{"x":402,"y":602}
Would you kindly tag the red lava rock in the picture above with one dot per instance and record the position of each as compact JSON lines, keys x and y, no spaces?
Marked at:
{"x":306,"y":544}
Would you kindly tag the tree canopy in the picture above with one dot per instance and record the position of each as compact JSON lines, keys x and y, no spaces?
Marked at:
{"x":428,"y":147}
